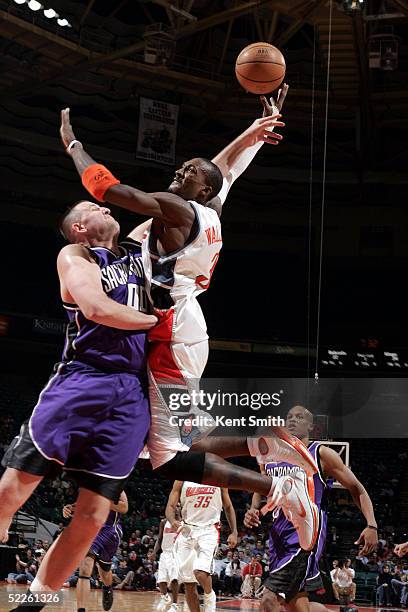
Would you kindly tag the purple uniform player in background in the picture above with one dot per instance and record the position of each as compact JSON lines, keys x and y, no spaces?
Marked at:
{"x":102,"y":550}
{"x":97,"y":395}
{"x":295,"y":572}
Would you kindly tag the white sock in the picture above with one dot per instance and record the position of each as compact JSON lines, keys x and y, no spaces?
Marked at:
{"x":208,"y":595}
{"x":253,"y":446}
{"x":38,"y":587}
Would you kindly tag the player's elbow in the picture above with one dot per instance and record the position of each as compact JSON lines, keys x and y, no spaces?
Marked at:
{"x":95,"y":311}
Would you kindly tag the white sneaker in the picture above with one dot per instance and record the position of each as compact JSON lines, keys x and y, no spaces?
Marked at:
{"x":165,"y":601}
{"x":210,"y":602}
{"x":295,"y":494}
{"x":281,"y":446}
{"x":173,"y":608}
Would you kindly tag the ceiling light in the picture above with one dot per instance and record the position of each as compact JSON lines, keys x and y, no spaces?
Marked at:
{"x":34,"y":5}
{"x":20,"y":1}
{"x":50,"y":13}
{"x":63,"y":22}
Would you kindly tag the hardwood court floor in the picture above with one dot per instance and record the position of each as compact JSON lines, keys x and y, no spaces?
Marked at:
{"x":132,"y":601}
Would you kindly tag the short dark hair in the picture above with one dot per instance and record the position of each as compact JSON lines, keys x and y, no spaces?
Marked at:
{"x":213,"y":174}
{"x":66,"y":220}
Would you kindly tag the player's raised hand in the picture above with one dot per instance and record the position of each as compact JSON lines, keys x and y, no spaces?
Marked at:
{"x":66,"y":131}
{"x":401,"y":549}
{"x":261,"y":130}
{"x":369,"y":539}
{"x":272,"y":106}
{"x":251,"y":518}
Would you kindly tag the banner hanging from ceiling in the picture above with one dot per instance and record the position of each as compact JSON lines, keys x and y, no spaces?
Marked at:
{"x":157,"y":131}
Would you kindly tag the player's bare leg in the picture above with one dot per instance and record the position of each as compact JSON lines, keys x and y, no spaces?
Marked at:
{"x":71,"y":547}
{"x":220,"y":473}
{"x":205,"y":581}
{"x":15,"y":488}
{"x":107,"y":578}
{"x":174,"y":588}
{"x":300,"y":603}
{"x":192,"y":599}
{"x":270,"y":602}
{"x":83,"y":585}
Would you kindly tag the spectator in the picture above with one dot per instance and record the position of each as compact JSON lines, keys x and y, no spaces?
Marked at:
{"x":123,"y":577}
{"x":59,"y":531}
{"x":243,"y":558}
{"x":252,"y":575}
{"x":147,"y":572}
{"x":399,"y":583}
{"x":342,"y":577}
{"x":233,"y":576}
{"x":384,"y":587}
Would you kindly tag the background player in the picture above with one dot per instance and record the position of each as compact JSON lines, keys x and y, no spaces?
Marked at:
{"x":102,"y":551}
{"x":167,"y":573}
{"x":294,"y":572}
{"x":97,"y":394}
{"x":197,"y":542}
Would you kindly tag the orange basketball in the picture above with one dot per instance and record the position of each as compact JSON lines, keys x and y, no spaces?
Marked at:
{"x":260,"y":68}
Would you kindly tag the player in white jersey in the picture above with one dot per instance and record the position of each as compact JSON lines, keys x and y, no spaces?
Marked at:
{"x":167,"y":573}
{"x":180,"y":250}
{"x":197,"y":542}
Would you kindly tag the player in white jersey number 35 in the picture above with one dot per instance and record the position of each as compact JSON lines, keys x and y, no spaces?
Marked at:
{"x":198,"y":538}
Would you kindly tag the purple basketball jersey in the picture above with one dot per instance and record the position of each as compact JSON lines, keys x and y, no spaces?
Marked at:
{"x":283,"y":538}
{"x":106,"y":348}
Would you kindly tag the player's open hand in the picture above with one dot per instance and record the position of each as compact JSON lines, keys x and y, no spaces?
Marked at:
{"x":369,"y":539}
{"x":272,"y":106}
{"x":260,"y":130}
{"x":401,"y":549}
{"x":251,"y":518}
{"x":66,"y":131}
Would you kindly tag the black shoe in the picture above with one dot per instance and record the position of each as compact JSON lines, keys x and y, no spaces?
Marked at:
{"x":107,"y":598}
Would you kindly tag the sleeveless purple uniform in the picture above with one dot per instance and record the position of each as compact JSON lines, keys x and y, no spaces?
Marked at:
{"x":283,"y":539}
{"x":107,"y":541}
{"x":93,"y":415}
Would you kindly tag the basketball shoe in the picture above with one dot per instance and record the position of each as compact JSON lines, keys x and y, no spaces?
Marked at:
{"x":107,"y":597}
{"x":294,"y":495}
{"x":282,"y":446}
{"x":164,"y":603}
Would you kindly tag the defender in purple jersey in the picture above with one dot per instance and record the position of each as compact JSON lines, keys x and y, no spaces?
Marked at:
{"x":101,"y":551}
{"x":93,"y":415}
{"x":295,"y":572}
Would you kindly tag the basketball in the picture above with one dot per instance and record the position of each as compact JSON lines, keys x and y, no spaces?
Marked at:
{"x":260,"y":68}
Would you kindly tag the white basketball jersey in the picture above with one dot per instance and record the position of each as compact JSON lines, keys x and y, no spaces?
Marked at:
{"x":169,"y":536}
{"x":201,"y":505}
{"x":175,"y":280}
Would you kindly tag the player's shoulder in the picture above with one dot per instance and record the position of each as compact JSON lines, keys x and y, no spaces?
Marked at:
{"x":74,"y":250}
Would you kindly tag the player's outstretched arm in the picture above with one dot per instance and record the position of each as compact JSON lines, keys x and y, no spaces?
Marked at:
{"x":80,"y":276}
{"x":122,"y":506}
{"x":171,"y":507}
{"x":333,"y":465}
{"x":231,"y":518}
{"x":235,"y":158}
{"x":104,"y":187}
